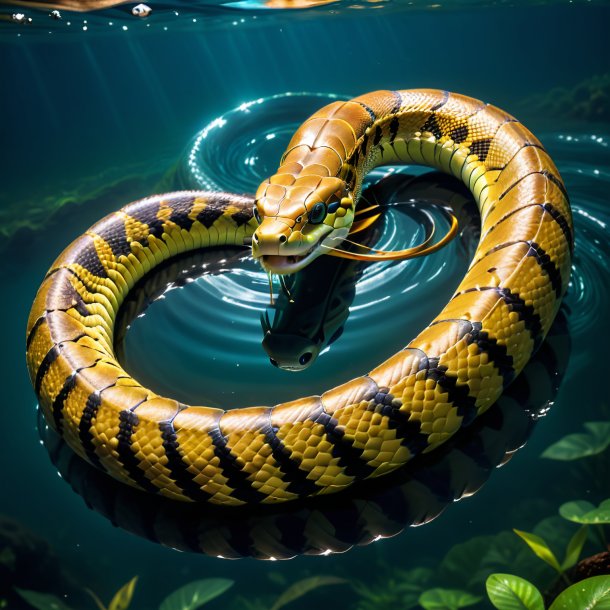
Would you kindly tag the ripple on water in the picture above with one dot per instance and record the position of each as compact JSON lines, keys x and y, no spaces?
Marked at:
{"x":584,"y":162}
{"x":211,"y":326}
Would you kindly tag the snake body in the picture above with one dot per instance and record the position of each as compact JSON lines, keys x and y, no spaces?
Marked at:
{"x":411,"y":403}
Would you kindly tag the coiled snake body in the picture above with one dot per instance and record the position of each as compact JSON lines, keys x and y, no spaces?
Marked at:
{"x":411,"y":403}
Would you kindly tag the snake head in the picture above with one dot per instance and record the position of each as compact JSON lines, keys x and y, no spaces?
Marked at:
{"x":299,"y":221}
{"x":290,"y":352}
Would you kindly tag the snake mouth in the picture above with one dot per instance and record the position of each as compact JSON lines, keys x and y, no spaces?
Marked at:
{"x":284,"y":265}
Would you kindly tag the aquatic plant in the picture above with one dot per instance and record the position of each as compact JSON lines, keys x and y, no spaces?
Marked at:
{"x":42,"y":601}
{"x":542,"y":550}
{"x":121,"y":599}
{"x":581,"y":511}
{"x":447,"y":599}
{"x":577,"y":511}
{"x":195,"y":594}
{"x":575,"y":446}
{"x":587,"y":100}
{"x":508,"y":592}
{"x":400,"y":592}
{"x":301,"y":587}
{"x":189,"y":597}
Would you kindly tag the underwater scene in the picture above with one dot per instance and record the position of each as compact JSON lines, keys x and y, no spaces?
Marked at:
{"x":445,"y":456}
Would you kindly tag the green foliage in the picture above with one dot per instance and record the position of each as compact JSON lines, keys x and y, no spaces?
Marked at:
{"x":581,"y":511}
{"x":574,"y":548}
{"x":590,"y":594}
{"x":121,"y":599}
{"x":398,"y":593}
{"x":196,"y":594}
{"x":540,"y":549}
{"x":468,"y":564}
{"x":508,"y":592}
{"x":42,"y":601}
{"x":595,"y":440}
{"x":447,"y":599}
{"x":300,"y":588}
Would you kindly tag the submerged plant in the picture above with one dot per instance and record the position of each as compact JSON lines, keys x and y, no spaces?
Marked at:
{"x":42,"y":601}
{"x":542,"y":550}
{"x":300,"y":588}
{"x":121,"y":599}
{"x":190,"y":597}
{"x":195,"y":594}
{"x":508,"y":592}
{"x":581,"y":511}
{"x":401,"y":592}
{"x":447,"y":599}
{"x":578,"y":511}
{"x":594,"y":441}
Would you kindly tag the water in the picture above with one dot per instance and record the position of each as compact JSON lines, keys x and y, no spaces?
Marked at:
{"x":95,"y":118}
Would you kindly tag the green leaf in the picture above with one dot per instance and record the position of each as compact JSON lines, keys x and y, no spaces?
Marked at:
{"x":508,"y":592}
{"x":122,"y":597}
{"x":590,"y":594}
{"x":300,"y":588}
{"x":447,"y":599}
{"x":96,"y":599}
{"x":581,"y":511}
{"x":579,"y":445}
{"x":574,"y":548}
{"x":196,"y":594}
{"x":468,"y":564}
{"x":540,"y":548}
{"x":42,"y":601}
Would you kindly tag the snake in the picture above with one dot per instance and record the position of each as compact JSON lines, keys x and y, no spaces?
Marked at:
{"x":408,"y":405}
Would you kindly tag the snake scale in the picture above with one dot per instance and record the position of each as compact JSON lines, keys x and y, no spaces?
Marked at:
{"x":411,"y":403}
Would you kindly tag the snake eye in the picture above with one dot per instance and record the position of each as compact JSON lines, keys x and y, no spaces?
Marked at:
{"x":318,"y":213}
{"x":257,"y":215}
{"x":305,"y":358}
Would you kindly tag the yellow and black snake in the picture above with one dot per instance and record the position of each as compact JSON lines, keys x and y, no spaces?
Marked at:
{"x":411,"y":403}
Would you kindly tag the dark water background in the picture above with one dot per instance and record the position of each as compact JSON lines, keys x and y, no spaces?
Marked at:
{"x":92,"y":119}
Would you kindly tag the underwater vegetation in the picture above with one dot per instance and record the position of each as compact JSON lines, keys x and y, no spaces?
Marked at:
{"x":579,"y":584}
{"x":588,"y":100}
{"x":554,"y":566}
{"x":561,"y":563}
{"x":51,"y":212}
{"x":189,"y":597}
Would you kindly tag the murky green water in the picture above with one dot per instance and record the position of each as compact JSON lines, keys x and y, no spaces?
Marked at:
{"x":96,"y":117}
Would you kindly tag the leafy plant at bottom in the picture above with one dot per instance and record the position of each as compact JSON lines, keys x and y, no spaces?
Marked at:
{"x":195,"y":594}
{"x":508,"y":592}
{"x":189,"y":597}
{"x":300,"y":588}
{"x":595,"y":440}
{"x":401,"y":592}
{"x":121,"y":599}
{"x":42,"y":601}
{"x":447,"y":599}
{"x":542,"y":550}
{"x":581,"y":511}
